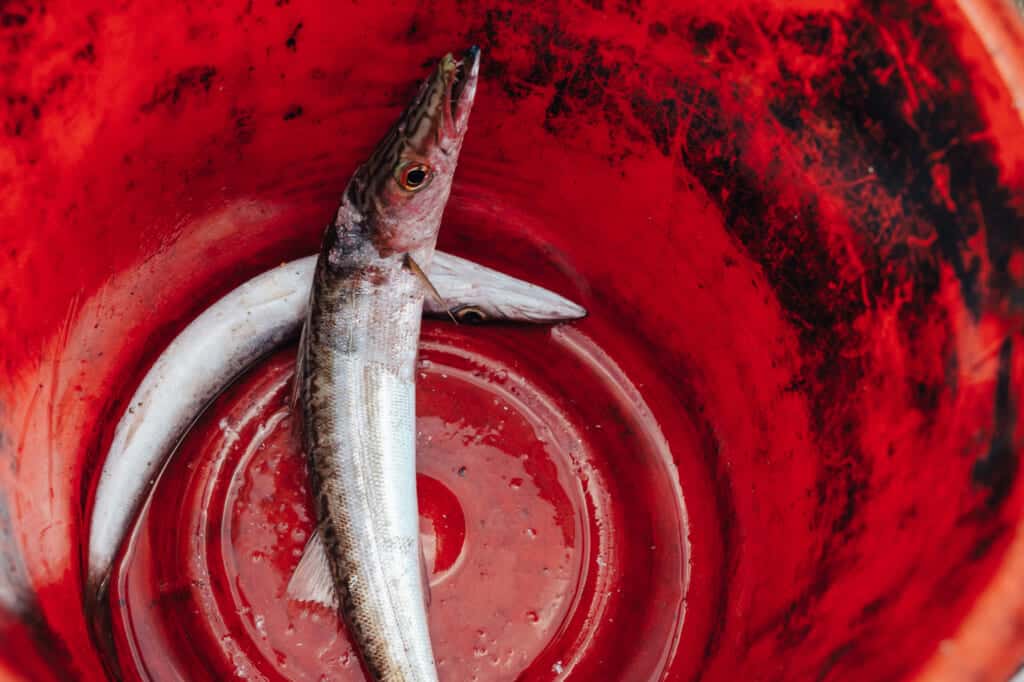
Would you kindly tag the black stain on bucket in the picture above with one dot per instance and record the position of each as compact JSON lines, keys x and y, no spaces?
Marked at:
{"x":293,"y":39}
{"x":997,"y":470}
{"x":176,"y":88}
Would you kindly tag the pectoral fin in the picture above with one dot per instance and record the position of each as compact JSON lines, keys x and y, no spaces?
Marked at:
{"x":422,"y":276}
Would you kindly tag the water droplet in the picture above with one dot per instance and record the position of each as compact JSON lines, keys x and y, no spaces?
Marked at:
{"x":479,"y":651}
{"x":558,"y":668}
{"x":462,"y":471}
{"x":260,"y":626}
{"x":515,"y":483}
{"x":531,"y":533}
{"x":532,"y":616}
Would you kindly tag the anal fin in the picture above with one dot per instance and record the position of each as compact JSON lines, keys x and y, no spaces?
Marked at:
{"x":312,"y":581}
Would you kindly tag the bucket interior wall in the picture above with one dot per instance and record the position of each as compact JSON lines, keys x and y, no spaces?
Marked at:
{"x":797,"y":227}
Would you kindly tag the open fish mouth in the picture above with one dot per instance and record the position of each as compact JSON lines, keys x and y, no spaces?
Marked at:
{"x":460,"y":78}
{"x":462,"y":89}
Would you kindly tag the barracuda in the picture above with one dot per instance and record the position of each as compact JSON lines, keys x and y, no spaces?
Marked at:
{"x":356,"y":368}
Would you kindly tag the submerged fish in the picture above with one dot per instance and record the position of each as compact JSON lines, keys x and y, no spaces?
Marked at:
{"x":356,"y":369}
{"x":229,"y":337}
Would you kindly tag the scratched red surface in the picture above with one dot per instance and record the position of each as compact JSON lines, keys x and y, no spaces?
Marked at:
{"x":797,"y":227}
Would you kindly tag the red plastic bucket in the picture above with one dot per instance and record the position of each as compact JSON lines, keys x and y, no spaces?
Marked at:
{"x":784,"y":445}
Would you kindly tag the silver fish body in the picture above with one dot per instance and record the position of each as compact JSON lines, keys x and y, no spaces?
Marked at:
{"x":360,"y":437}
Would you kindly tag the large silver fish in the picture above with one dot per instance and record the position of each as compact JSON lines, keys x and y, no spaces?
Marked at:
{"x":356,"y":369}
{"x":243,"y":326}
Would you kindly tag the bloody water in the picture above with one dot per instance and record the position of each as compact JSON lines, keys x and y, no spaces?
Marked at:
{"x":530,"y":560}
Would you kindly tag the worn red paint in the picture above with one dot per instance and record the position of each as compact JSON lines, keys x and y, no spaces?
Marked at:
{"x":797,"y":227}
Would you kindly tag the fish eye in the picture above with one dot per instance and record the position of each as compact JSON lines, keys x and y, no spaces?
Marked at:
{"x":414,"y":176}
{"x":469,"y":314}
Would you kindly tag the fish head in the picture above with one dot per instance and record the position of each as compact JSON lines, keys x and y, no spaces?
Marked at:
{"x":524,"y":308}
{"x":403,"y":188}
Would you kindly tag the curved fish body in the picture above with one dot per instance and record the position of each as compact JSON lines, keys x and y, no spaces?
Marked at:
{"x":356,"y":369}
{"x":229,"y":337}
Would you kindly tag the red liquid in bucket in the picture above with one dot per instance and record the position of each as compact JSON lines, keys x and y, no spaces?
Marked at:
{"x":527,"y":554}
